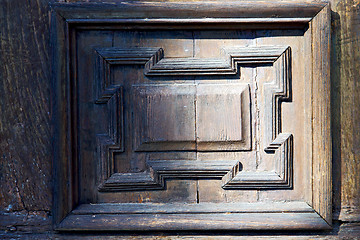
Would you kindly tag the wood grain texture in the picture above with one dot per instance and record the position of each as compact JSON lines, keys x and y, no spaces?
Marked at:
{"x":290,"y":12}
{"x":66,"y":194}
{"x":25,"y":134}
{"x":112,"y":141}
{"x":344,"y":231}
{"x":198,"y":221}
{"x":30,"y":18}
{"x":108,"y":57}
{"x":166,"y":114}
{"x":164,"y":117}
{"x":223,"y":105}
{"x":25,"y":221}
{"x":322,"y":181}
{"x":234,"y":57}
{"x":345,"y":101}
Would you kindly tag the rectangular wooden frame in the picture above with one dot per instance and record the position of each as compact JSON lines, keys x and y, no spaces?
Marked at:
{"x":67,"y":17}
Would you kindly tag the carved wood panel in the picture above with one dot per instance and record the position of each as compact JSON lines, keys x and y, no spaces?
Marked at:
{"x":158,"y":107}
{"x":196,"y":117}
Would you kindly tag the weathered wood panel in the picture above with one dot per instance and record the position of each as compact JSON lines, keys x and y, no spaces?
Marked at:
{"x":25,"y":136}
{"x":160,"y":98}
{"x":345,"y":73}
{"x":345,"y":109}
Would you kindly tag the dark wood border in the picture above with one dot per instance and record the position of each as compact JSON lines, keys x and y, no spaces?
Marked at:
{"x":224,"y":15}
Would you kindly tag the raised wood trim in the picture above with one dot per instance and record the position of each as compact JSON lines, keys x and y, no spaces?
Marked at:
{"x":282,"y":177}
{"x":166,"y":208}
{"x":178,"y":13}
{"x":321,"y":114}
{"x":210,"y":216}
{"x":157,"y":65}
{"x":63,"y":162}
{"x":112,"y":141}
{"x":216,"y":221}
{"x":349,"y":214}
{"x":227,"y":66}
{"x":106,"y":57}
{"x":160,"y":170}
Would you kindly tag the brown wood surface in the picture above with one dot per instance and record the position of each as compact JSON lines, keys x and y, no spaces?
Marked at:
{"x":159,"y":102}
{"x":198,"y":221}
{"x":25,"y":133}
{"x":321,"y":114}
{"x":21,"y":184}
{"x":345,"y":98}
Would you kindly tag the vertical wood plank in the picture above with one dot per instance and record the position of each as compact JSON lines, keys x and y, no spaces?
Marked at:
{"x":62,"y":191}
{"x":322,"y":182}
{"x":25,"y":134}
{"x":345,"y":101}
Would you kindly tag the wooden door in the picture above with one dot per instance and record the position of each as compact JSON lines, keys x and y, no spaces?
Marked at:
{"x":192,"y":116}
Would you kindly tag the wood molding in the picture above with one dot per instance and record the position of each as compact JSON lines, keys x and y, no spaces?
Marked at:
{"x":322,"y":165}
{"x":280,"y":92}
{"x":232,"y":176}
{"x":195,"y":14}
{"x":106,"y":57}
{"x":229,"y":216}
{"x":281,"y":178}
{"x":227,"y":66}
{"x":112,"y":141}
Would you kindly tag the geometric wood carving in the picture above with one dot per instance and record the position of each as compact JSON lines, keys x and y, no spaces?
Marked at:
{"x":278,"y":92}
{"x":281,"y":178}
{"x":108,"y":57}
{"x":311,"y":211}
{"x":112,"y":95}
{"x":112,"y":141}
{"x":157,"y":106}
{"x":235,"y":57}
